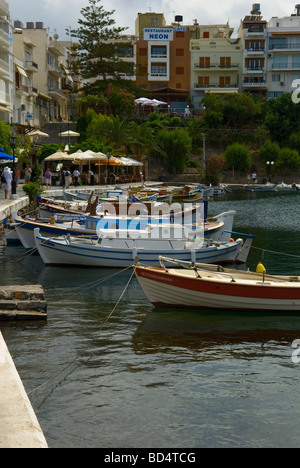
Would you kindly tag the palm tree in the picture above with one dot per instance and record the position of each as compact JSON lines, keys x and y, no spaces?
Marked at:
{"x":116,"y":132}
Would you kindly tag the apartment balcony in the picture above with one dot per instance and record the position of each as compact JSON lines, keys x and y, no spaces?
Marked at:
{"x":286,"y":67}
{"x":284,"y":47}
{"x":31,"y":66}
{"x":216,"y":87}
{"x":253,"y":52}
{"x":21,"y":90}
{"x":216,"y":66}
{"x":56,"y":93}
{"x":252,"y":32}
{"x":159,"y":56}
{"x":4,"y":39}
{"x":253,"y":85}
{"x":255,"y":69}
{"x":56,"y":70}
{"x":4,"y":68}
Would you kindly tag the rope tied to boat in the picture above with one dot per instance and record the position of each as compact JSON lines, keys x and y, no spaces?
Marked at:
{"x":99,"y":331}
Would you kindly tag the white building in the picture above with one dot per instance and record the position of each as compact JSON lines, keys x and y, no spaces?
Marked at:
{"x":6,"y":64}
{"x":283,"y":55}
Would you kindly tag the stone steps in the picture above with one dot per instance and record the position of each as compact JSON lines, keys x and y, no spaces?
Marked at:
{"x":22,"y":303}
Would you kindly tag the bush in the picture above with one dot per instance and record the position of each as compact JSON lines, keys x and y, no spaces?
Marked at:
{"x":238,"y":156}
{"x":32,"y":189}
{"x":288,"y":158}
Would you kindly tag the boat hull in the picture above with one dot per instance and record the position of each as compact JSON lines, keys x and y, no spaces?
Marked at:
{"x":164,"y":289}
{"x":124,"y":252}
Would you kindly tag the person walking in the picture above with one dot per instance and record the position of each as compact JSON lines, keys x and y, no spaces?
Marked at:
{"x":48,"y":177}
{"x":28,"y":174}
{"x":76,"y":175}
{"x":17,"y":176}
{"x":6,"y":180}
{"x":68,"y":178}
{"x":92,"y":177}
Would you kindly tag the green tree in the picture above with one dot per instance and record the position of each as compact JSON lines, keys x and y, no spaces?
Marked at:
{"x":282,"y":118}
{"x":238,"y":157}
{"x":288,"y":158}
{"x":5,"y":137}
{"x":269,"y":151}
{"x":176,"y":146}
{"x":101,"y":49}
{"x":113,"y":131}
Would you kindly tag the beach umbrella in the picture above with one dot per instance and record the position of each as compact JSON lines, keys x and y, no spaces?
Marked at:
{"x":69,"y":133}
{"x":112,"y":161}
{"x":38,"y":133}
{"x":142,"y":100}
{"x":155,"y":102}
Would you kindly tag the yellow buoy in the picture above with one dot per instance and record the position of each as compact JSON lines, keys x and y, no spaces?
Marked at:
{"x":260,"y":268}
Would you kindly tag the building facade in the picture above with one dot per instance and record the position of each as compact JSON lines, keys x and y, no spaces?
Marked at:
{"x":163,"y":59}
{"x":6,"y":64}
{"x":253,"y":33}
{"x":216,"y":61}
{"x":283,"y":55}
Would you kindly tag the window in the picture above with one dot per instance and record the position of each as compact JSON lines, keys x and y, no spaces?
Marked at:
{"x":225,"y":62}
{"x":296,"y":61}
{"x":178,"y":85}
{"x":203,"y":80}
{"x":159,"y":70}
{"x":179,"y":34}
{"x":154,"y":22}
{"x":143,"y":52}
{"x":179,"y":71}
{"x":280,"y":61}
{"x":275,"y":77}
{"x":278,"y":43}
{"x":224,"y":81}
{"x":179,"y":52}
{"x":204,"y":62}
{"x":159,"y":51}
{"x":206,"y":35}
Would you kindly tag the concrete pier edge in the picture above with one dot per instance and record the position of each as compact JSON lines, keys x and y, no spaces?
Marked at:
{"x":19,"y":427}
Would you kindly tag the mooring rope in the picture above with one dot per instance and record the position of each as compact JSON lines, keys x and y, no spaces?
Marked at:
{"x":99,"y":331}
{"x":274,"y":252}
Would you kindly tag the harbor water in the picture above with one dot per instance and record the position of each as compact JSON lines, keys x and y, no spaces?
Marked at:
{"x":108,"y":370}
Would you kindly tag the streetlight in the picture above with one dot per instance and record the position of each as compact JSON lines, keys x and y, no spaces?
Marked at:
{"x":269,"y":165}
{"x":13,"y":142}
{"x":109,"y":155}
{"x":203,"y":154}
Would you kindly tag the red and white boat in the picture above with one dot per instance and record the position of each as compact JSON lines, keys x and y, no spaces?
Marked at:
{"x":202,"y":286}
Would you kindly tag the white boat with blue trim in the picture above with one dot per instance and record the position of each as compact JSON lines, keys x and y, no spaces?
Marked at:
{"x":121,"y":251}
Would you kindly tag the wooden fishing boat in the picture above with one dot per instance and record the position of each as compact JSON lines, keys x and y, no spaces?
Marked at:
{"x":260,"y":187}
{"x":120,"y":250}
{"x":217,"y":228}
{"x":198,"y":286}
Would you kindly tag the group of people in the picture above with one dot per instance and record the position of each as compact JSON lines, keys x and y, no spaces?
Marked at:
{"x":66,"y":178}
{"x":7,"y":178}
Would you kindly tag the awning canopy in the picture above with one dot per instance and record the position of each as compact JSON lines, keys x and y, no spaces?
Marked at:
{"x":59,"y":156}
{"x":130,"y":162}
{"x":22,"y":71}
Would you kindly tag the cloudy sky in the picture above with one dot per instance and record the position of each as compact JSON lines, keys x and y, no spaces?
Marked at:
{"x":58,"y":15}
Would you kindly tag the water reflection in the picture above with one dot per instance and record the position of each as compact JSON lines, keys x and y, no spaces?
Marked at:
{"x":163,"y":331}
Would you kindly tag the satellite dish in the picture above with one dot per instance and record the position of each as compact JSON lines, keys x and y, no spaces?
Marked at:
{"x":55,"y":37}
